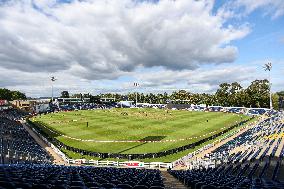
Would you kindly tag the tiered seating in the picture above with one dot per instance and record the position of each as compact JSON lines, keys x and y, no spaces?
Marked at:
{"x":247,"y":161}
{"x":84,"y":106}
{"x":225,"y":178}
{"x":236,"y":110}
{"x":13,"y":114}
{"x":257,"y":111}
{"x":52,"y":176}
{"x":16,"y":145}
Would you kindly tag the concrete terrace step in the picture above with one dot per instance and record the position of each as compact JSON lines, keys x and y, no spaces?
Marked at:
{"x":171,"y":182}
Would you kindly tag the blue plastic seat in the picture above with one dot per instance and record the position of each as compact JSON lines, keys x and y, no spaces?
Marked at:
{"x":140,"y":187}
{"x":124,"y":186}
{"x":157,"y":187}
{"x":8,"y":185}
{"x":108,"y":185}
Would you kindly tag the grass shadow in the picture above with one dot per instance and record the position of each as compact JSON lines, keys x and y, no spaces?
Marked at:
{"x":144,"y":140}
{"x":152,"y":138}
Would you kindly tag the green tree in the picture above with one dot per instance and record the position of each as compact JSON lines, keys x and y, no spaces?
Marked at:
{"x":77,"y":95}
{"x":281,"y":93}
{"x":223,"y":93}
{"x":258,"y":92}
{"x":275,"y":101}
{"x":87,"y":95}
{"x":244,"y":99}
{"x":17,"y":95}
{"x":234,"y":96}
{"x":95,"y":99}
{"x":64,"y":94}
{"x":6,"y":94}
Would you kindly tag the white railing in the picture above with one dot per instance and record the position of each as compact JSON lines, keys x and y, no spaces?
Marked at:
{"x":131,"y":164}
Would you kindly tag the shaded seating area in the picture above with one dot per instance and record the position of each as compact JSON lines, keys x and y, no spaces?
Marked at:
{"x":53,"y":176}
{"x":225,"y":177}
{"x":16,"y":145}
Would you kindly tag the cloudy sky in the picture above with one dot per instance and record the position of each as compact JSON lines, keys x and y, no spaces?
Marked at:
{"x":106,"y":45}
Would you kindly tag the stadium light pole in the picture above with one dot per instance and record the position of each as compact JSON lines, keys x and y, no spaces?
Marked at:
{"x":52,"y":79}
{"x":136,"y":85}
{"x":136,"y":98}
{"x":268,"y":67}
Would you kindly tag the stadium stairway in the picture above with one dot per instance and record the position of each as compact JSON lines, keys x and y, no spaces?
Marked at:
{"x":56,"y":159}
{"x":171,"y":182}
{"x":281,"y":170}
{"x":270,"y":169}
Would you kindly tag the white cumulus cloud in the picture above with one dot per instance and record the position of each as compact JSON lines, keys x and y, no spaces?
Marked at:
{"x":102,"y":39}
{"x":273,"y":8}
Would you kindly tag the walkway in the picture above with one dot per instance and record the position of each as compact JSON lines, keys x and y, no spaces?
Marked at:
{"x":208,"y":151}
{"x":55,"y":157}
{"x":171,"y":182}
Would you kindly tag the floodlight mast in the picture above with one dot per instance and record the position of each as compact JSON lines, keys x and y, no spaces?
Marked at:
{"x":136,"y":85}
{"x":268,"y":67}
{"x":52,"y":79}
{"x":136,"y":99}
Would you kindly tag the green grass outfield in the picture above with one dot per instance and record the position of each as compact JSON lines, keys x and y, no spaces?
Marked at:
{"x":133,"y":124}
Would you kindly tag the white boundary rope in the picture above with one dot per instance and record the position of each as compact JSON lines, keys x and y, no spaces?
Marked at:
{"x":130,"y":141}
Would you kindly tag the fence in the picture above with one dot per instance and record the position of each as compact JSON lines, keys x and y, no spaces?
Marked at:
{"x":131,"y":164}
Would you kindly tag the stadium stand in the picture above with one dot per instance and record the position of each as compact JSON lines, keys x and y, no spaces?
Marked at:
{"x":24,"y":164}
{"x":83,"y":106}
{"x":16,"y":145}
{"x":13,"y":114}
{"x":257,"y":111}
{"x":252,"y":160}
{"x":54,"y":176}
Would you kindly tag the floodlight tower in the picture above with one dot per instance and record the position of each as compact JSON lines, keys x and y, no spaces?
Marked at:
{"x":52,"y":79}
{"x":136,"y":85}
{"x":268,"y":67}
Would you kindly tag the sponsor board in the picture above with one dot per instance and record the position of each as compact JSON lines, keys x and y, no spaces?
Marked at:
{"x":134,"y":164}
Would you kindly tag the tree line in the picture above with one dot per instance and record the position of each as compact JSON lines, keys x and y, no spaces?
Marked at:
{"x":256,"y":95}
{"x":6,"y":94}
{"x":228,"y":94}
